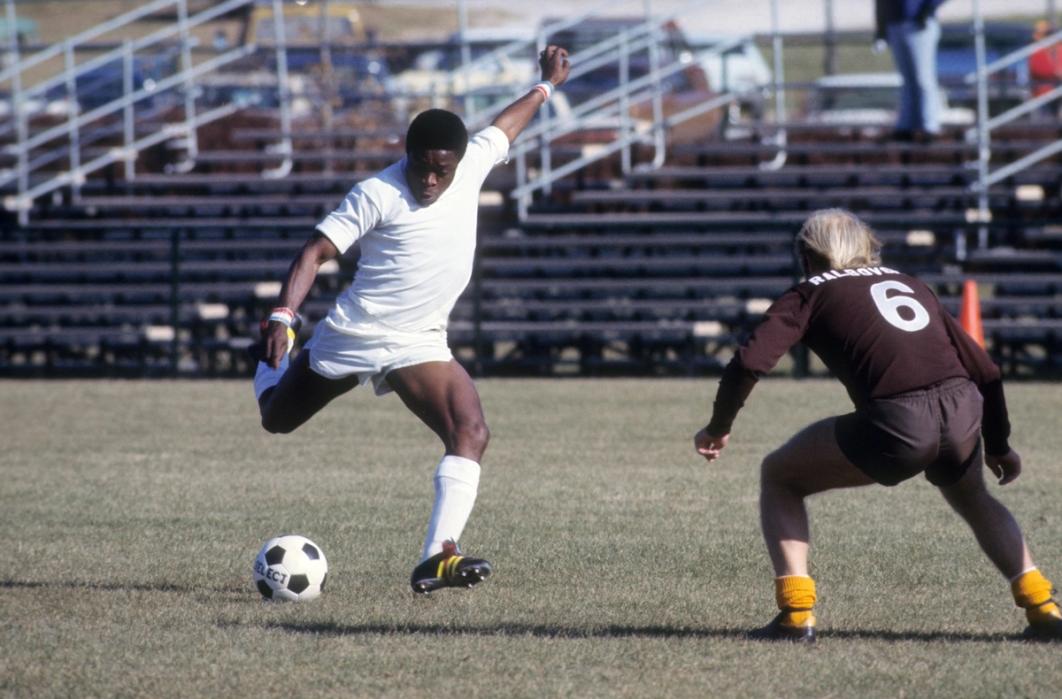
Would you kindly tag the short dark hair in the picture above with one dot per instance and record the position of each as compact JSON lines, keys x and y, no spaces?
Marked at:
{"x":437,"y":129}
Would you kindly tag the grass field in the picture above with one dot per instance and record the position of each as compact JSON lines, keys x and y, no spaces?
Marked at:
{"x":625,"y":566}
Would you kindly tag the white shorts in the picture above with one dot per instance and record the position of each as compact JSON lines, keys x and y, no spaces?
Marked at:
{"x":371,"y":351}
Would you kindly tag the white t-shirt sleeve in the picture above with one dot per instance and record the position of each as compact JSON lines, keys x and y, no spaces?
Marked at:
{"x":486,"y":149}
{"x":355,"y":216}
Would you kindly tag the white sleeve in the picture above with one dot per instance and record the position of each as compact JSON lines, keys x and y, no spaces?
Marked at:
{"x":486,"y":149}
{"x":355,"y":216}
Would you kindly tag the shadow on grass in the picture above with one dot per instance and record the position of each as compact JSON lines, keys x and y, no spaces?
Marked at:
{"x":6,"y":584}
{"x":534,"y":630}
{"x":945,"y":636}
{"x":542,"y":631}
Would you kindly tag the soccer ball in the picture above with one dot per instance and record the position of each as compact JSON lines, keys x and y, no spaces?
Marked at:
{"x":290,"y":568}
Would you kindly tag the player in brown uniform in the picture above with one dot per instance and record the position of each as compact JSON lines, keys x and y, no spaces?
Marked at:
{"x":924,"y":394}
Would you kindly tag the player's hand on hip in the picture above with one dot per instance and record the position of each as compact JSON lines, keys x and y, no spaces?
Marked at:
{"x":554,"y":63}
{"x":708,"y":446}
{"x":276,"y":343}
{"x":1007,"y":467}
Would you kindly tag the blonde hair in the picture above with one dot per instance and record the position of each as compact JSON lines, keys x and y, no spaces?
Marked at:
{"x":837,"y":239}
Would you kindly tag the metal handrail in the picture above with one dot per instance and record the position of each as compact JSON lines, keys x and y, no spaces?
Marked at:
{"x":103,"y":59}
{"x":595,"y":107}
{"x":982,"y":132}
{"x":99,"y":30}
{"x":182,"y":79}
{"x":593,"y":57}
{"x":1015,"y":56}
{"x":138,"y":95}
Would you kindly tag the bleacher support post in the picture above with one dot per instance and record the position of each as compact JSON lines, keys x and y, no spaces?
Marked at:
{"x":175,"y":299}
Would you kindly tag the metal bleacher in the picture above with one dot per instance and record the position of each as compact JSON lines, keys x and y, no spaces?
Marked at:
{"x":663,"y":270}
{"x":627,"y":265}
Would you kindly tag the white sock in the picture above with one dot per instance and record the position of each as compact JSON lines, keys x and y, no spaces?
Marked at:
{"x":456,"y":483}
{"x":266,"y":377}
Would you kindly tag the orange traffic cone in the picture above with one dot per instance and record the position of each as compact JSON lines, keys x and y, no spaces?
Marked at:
{"x":970,"y":313}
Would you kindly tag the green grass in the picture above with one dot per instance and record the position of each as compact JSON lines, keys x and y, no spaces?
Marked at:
{"x":625,"y":566}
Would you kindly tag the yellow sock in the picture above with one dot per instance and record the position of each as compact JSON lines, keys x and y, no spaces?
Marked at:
{"x":795,"y":595}
{"x":1032,"y":592}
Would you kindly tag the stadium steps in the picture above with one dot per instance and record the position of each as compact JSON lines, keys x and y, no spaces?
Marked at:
{"x":659,"y":272}
{"x":705,"y":243}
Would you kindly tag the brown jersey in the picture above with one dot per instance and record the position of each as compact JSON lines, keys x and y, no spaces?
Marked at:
{"x":879,"y":331}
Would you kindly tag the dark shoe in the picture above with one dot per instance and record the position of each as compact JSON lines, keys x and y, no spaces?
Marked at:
{"x":777,"y":631}
{"x":925,"y":138}
{"x":902,"y":135}
{"x":448,"y":568}
{"x":1045,"y":629}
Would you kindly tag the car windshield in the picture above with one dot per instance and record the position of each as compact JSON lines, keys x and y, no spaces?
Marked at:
{"x":306,"y":30}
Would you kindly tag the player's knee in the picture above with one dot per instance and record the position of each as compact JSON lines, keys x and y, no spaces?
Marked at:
{"x":471,"y":436}
{"x":771,"y":471}
{"x":776,"y":474}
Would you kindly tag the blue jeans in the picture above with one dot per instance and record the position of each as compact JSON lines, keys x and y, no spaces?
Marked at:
{"x":914,"y":51}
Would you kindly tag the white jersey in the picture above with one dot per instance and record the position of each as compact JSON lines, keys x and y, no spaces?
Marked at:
{"x":415,"y":260}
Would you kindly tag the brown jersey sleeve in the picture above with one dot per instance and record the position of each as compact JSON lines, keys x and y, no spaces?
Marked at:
{"x":782,"y":327}
{"x":995,"y":424}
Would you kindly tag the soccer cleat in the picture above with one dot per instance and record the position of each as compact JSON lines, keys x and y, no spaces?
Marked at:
{"x":1045,"y":628}
{"x":777,"y":631}
{"x":448,"y":568}
{"x":257,"y":349}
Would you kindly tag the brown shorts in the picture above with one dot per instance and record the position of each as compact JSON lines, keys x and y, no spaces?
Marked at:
{"x":936,"y":430}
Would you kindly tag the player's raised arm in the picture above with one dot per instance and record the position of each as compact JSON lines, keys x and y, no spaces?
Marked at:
{"x":555,"y":68}
{"x":301,"y":275}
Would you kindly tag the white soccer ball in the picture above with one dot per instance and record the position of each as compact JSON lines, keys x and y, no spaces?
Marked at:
{"x":290,"y":568}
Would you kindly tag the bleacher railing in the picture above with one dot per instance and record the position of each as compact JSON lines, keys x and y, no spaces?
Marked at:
{"x":612,"y":107}
{"x":986,"y":123}
{"x":30,"y":178}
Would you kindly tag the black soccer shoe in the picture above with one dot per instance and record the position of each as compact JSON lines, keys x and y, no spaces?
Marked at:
{"x":1044,"y":630}
{"x":448,"y":568}
{"x":777,"y":631}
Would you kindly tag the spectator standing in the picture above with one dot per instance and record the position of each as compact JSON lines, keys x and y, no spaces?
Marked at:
{"x":1045,"y":66}
{"x":912,"y":31}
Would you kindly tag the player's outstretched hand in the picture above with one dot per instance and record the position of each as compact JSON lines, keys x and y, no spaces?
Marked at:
{"x":708,"y":446}
{"x":1006,"y":467}
{"x":554,"y":63}
{"x":276,"y":343}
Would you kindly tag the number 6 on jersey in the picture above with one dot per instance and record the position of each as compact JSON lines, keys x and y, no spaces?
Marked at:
{"x":889,"y":306}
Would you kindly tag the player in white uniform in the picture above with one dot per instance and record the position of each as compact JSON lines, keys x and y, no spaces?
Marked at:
{"x":416,"y":224}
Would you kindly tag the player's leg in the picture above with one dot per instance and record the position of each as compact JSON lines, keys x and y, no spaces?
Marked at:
{"x":811,"y":462}
{"x":1001,"y":539}
{"x":298,"y":395}
{"x":923,"y":46}
{"x":899,"y":46}
{"x":992,"y":523}
{"x":443,"y":396}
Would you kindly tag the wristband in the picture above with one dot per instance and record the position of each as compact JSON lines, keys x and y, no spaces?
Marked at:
{"x":282,"y":315}
{"x":545,"y":87}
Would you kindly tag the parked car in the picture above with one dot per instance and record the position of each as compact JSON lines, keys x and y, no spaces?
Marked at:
{"x":868,"y":102}
{"x":104,"y":84}
{"x":492,"y":75}
{"x":302,"y":25}
{"x":684,"y":88}
{"x":740,"y":68}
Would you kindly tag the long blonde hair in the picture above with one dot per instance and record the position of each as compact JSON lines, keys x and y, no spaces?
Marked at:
{"x":837,"y":239}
